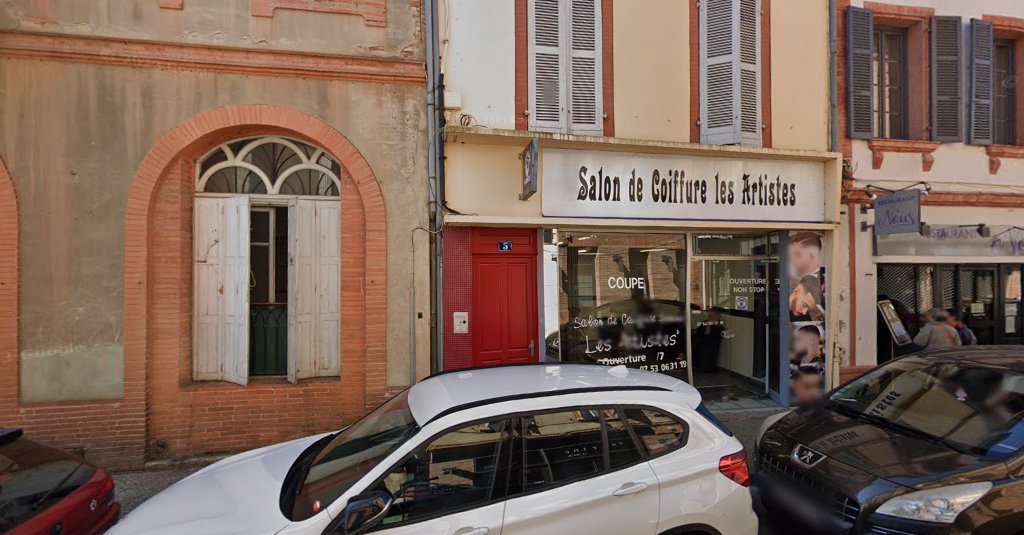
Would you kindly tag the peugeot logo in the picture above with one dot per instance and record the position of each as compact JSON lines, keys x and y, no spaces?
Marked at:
{"x":807,"y":457}
{"x":93,"y":505}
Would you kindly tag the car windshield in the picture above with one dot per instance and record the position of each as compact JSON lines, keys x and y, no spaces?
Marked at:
{"x":352,"y":453}
{"x":970,"y":406}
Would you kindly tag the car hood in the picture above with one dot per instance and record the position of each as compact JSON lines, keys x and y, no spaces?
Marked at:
{"x":239,"y":494}
{"x":905,"y":460}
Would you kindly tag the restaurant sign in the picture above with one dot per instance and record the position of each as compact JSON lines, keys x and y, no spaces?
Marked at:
{"x":601,"y":184}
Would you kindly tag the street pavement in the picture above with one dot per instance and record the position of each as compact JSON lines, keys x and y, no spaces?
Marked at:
{"x":133,"y":488}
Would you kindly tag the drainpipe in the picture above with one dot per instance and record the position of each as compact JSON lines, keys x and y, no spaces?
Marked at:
{"x":435,"y":180}
{"x":833,"y":82}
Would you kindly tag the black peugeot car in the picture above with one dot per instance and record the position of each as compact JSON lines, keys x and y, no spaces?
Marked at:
{"x":928,"y":443}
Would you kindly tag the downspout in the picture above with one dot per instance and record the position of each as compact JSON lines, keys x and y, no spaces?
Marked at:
{"x":833,"y":146}
{"x":833,"y":81}
{"x":435,"y":180}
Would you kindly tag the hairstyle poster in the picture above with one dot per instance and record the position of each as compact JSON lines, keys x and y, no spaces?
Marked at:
{"x":807,"y":312}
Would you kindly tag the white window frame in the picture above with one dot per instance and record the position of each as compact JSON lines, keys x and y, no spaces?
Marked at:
{"x":263,"y":202}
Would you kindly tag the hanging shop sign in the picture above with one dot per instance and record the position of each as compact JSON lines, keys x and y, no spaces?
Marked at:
{"x":529,"y":156}
{"x":898,"y":213}
{"x":579,"y":183}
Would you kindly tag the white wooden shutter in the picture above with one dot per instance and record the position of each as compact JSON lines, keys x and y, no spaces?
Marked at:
{"x":221,"y":286}
{"x":719,"y":72}
{"x":328,"y":286}
{"x":585,"y":106}
{"x":750,"y":72}
{"x":981,"y":83}
{"x":302,"y":301}
{"x":547,"y":68}
{"x":860,"y":30}
{"x":947,"y":105}
{"x":314,"y":288}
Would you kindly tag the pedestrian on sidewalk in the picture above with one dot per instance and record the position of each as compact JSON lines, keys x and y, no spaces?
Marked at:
{"x":937,"y":332}
{"x":967,"y":336}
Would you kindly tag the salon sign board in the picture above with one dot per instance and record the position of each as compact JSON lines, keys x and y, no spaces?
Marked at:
{"x":622,"y":185}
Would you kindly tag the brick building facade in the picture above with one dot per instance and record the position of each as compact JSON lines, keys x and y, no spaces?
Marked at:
{"x":114,"y":114}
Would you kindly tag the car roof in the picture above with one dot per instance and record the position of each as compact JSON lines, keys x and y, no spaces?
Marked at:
{"x":454,"y":390}
{"x":1008,"y":356}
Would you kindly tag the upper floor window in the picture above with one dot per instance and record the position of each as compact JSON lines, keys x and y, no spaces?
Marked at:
{"x":730,"y":72}
{"x":1004,"y":109}
{"x":267,"y":261}
{"x":565,"y":66}
{"x":889,"y":82}
{"x":904,"y":75}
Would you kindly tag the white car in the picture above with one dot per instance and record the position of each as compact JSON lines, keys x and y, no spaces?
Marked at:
{"x":512,"y":450}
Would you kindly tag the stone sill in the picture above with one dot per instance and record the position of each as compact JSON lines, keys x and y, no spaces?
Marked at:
{"x":881,"y":146}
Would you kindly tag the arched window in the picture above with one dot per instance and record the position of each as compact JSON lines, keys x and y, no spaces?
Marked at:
{"x":267,"y":261}
{"x":269,"y":165}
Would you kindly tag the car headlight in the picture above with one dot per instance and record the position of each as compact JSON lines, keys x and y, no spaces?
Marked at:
{"x":935,"y":505}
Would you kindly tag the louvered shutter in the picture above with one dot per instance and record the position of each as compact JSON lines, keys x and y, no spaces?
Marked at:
{"x":547,"y":70}
{"x":585,"y":67}
{"x":221,"y":286}
{"x":981,"y":83}
{"x":328,"y":287}
{"x":947,"y":107}
{"x":860,"y":28}
{"x":719,"y":72}
{"x":750,"y":71}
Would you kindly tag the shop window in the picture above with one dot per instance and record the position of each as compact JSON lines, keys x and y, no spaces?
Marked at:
{"x":565,"y":66}
{"x":1004,"y":110}
{"x":730,"y":72}
{"x":888,"y":74}
{"x":621,"y":300}
{"x":267,"y":276}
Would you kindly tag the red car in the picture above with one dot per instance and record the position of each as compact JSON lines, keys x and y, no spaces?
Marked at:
{"x":46,"y":491}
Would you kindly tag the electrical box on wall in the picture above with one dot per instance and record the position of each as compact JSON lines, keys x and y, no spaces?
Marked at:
{"x":461,"y":322}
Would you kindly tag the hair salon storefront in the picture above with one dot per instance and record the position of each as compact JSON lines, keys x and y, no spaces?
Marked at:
{"x":708,"y":264}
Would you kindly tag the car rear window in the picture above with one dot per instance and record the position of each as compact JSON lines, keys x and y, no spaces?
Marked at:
{"x":970,"y":406}
{"x":34,"y":477}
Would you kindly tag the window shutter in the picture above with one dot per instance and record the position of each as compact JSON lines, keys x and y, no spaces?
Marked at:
{"x":947,"y":107}
{"x":750,"y":71}
{"x":860,"y":27}
{"x":302,"y":298}
{"x":585,"y":68}
{"x":981,"y":83}
{"x":314,"y":288}
{"x":221,"y":282}
{"x":719,"y":72}
{"x":546,"y":66}
{"x":328,"y":285}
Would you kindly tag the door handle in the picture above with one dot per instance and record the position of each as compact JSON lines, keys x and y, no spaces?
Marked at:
{"x":630,"y":488}
{"x":533,"y":347}
{"x":472,"y":531}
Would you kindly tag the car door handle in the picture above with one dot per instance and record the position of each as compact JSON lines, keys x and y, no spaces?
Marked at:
{"x":630,"y":488}
{"x":472,"y":531}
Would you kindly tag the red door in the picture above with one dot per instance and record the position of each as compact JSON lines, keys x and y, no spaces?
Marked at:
{"x":504,"y":296}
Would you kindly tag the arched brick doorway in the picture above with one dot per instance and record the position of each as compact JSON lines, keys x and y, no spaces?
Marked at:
{"x":8,"y":296}
{"x":186,"y":418}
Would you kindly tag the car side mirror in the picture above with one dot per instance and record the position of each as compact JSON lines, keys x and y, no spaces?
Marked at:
{"x":362,"y":513}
